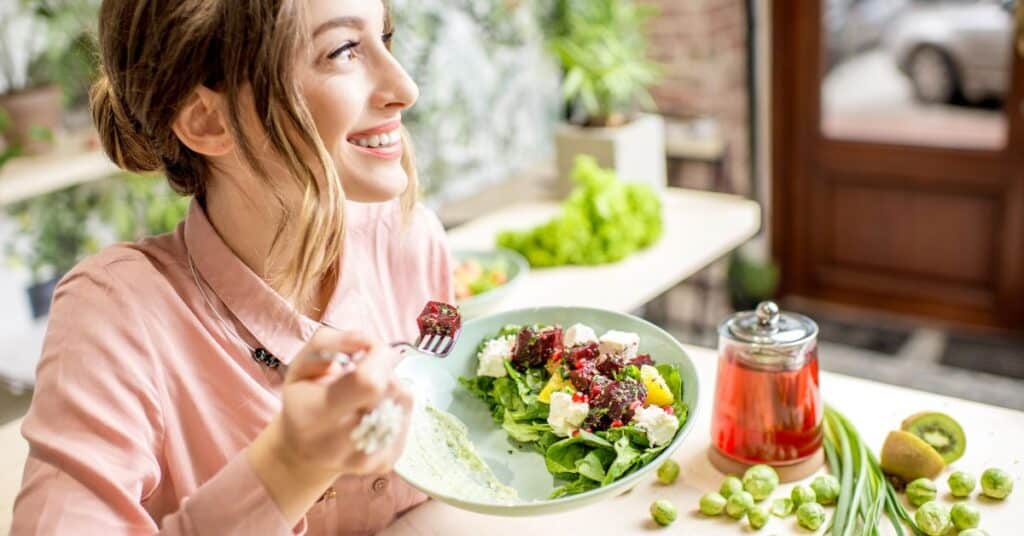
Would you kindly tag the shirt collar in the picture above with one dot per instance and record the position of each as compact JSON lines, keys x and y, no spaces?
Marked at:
{"x":275,"y":324}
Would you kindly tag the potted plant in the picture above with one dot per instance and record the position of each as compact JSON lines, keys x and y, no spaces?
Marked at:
{"x":751,"y":281}
{"x":602,"y":50}
{"x":52,"y":235}
{"x":46,"y":56}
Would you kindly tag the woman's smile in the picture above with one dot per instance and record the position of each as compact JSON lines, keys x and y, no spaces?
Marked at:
{"x":382,"y":141}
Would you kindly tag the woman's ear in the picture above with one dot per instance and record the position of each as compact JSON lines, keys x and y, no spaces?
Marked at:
{"x":202,"y":124}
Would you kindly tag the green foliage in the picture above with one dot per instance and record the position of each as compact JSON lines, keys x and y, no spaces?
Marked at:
{"x":58,"y":229}
{"x":750,"y":280}
{"x":62,"y":50}
{"x":142,"y":205}
{"x":603,"y":220}
{"x":52,"y":232}
{"x":602,"y":49}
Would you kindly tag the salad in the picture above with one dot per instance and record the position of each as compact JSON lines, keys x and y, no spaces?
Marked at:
{"x":595,"y":407}
{"x":473,"y":277}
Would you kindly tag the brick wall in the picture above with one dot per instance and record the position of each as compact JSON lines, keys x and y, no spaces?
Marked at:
{"x":703,"y":47}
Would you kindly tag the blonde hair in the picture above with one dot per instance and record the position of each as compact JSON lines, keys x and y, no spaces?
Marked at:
{"x":154,"y":53}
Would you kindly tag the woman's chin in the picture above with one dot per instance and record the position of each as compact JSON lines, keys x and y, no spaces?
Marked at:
{"x":374,"y":189}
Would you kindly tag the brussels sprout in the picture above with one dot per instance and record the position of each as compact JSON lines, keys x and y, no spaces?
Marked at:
{"x":996,"y":483}
{"x":964,"y":516}
{"x":760,"y":480}
{"x":668,"y":472}
{"x":826,"y":489}
{"x":921,"y":491}
{"x":663,"y":512}
{"x":712,"y":504}
{"x":783,"y":507}
{"x":738,"y":504}
{"x":972,"y":532}
{"x":932,"y":518}
{"x":758,"y":517}
{"x":730,"y":486}
{"x":802,"y":494}
{"x":961,"y":484}
{"x":810,"y":515}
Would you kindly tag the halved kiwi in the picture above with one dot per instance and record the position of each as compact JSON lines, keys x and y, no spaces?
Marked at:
{"x":940,"y":431}
{"x":907,"y":457}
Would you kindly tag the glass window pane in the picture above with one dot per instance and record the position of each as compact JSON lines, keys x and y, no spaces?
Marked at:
{"x":920,"y":72}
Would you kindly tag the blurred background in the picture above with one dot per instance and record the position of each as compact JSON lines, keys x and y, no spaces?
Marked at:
{"x":882,"y":138}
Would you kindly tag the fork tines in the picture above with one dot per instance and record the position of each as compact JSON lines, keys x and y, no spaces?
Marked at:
{"x":436,"y":344}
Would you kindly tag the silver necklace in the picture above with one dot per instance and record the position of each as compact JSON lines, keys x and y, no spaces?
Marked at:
{"x":260,"y":355}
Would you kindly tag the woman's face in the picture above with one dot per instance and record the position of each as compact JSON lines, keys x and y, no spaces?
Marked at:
{"x":356,"y":92}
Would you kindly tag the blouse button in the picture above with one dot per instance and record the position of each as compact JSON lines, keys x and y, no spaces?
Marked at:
{"x":380,"y":484}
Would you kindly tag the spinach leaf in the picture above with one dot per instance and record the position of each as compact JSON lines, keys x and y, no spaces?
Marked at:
{"x":524,"y":432}
{"x":579,"y":485}
{"x":626,"y":456}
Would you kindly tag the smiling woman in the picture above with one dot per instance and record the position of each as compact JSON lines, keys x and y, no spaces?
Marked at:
{"x":210,"y":380}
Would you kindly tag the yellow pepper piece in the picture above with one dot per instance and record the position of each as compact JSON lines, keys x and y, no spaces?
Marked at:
{"x":657,"y":390}
{"x":555,"y":383}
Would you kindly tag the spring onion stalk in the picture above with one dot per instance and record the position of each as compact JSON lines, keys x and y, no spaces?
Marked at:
{"x":864,"y":492}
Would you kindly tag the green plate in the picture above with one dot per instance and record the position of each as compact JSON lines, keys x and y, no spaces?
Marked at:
{"x":436,"y":380}
{"x":485,"y":302}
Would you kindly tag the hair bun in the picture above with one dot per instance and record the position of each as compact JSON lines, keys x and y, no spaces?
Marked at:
{"x":120,"y":135}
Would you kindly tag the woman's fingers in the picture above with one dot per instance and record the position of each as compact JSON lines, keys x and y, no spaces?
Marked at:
{"x":317,"y":357}
{"x":368,"y":382}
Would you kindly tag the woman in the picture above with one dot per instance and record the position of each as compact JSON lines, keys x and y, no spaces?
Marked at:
{"x":214,"y":380}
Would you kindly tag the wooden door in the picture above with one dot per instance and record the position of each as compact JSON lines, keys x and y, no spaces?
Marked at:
{"x":918,"y":209}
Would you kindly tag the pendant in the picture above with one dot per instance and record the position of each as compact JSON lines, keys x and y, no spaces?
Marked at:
{"x":265,"y":358}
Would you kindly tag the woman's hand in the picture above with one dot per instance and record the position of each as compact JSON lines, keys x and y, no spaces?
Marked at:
{"x":308,"y":445}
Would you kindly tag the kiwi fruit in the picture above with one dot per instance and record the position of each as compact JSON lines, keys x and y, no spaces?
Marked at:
{"x":940,"y":431}
{"x":908,"y":457}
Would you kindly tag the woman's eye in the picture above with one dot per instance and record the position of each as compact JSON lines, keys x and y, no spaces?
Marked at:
{"x":346,"y":52}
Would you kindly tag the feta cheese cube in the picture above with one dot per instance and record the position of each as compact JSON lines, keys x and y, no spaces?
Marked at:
{"x":566,"y":416}
{"x":658,"y":424}
{"x":578,"y":334}
{"x":493,"y":356}
{"x":621,"y":343}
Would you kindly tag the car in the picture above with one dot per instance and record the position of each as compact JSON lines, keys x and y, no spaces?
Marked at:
{"x":955,"y":49}
{"x":853,"y":26}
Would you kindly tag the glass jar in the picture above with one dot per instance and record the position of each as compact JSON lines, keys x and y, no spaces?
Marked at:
{"x":768,"y":406}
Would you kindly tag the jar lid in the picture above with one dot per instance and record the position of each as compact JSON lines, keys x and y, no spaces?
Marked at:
{"x":767,"y":326}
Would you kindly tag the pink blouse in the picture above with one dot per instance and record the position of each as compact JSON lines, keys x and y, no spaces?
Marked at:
{"x":144,"y":400}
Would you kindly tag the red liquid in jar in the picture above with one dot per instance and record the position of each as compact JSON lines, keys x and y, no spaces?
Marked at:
{"x":765,"y":415}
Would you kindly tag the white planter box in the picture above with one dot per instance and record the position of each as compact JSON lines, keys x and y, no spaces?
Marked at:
{"x":636,"y":150}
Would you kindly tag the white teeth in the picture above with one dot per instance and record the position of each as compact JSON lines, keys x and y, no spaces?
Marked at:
{"x":379,"y":140}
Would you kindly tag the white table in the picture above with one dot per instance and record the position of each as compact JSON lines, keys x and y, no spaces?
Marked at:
{"x":995,"y":438}
{"x":699,"y":228}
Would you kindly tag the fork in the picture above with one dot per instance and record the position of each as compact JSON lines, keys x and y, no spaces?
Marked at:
{"x":432,"y":345}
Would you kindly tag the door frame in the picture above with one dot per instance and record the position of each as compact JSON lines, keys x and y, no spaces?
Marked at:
{"x":801,"y":155}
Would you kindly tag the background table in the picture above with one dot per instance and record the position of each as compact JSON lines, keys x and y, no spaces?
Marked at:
{"x":699,"y":227}
{"x":995,"y":438}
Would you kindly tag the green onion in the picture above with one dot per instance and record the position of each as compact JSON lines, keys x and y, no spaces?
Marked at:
{"x":864,"y":492}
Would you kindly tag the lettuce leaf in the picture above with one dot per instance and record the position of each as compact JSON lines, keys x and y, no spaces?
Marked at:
{"x":524,"y":432}
{"x":579,"y":485}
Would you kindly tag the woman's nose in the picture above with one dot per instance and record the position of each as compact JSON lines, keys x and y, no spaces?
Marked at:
{"x":395,"y":89}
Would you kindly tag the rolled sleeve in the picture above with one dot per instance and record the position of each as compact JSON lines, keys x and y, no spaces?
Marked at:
{"x":232,"y":502}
